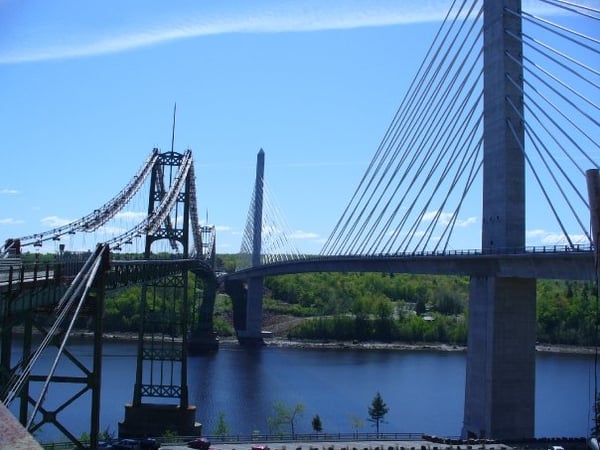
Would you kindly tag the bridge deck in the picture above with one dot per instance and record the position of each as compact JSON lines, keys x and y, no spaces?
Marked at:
{"x":567,"y":265}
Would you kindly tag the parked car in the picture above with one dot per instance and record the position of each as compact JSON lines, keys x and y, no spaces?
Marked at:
{"x":149,"y":444}
{"x":199,"y":443}
{"x":127,"y":444}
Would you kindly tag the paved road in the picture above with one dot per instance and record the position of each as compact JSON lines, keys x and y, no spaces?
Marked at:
{"x":337,"y":445}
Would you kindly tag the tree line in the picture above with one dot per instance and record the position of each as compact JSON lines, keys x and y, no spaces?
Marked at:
{"x":376,"y":306}
{"x":403,"y":307}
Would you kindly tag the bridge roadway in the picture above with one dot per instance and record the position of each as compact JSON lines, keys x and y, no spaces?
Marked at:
{"x":38,"y":278}
{"x":539,"y":263}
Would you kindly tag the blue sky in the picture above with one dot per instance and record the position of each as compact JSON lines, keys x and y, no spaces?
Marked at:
{"x":88,"y":90}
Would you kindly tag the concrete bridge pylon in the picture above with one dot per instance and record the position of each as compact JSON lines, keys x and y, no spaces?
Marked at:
{"x":251,"y":334}
{"x":500,"y":379}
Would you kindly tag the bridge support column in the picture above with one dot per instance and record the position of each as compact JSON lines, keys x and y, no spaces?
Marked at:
{"x":500,"y":381}
{"x":253,"y":332}
{"x":203,"y":339}
{"x":252,"y":335}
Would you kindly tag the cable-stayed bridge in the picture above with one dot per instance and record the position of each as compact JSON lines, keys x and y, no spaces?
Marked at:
{"x":500,"y":125}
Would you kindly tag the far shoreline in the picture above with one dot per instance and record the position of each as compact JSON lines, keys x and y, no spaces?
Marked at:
{"x":281,"y":342}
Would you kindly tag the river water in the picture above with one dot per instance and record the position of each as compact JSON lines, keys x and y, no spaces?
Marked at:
{"x":424,"y":390}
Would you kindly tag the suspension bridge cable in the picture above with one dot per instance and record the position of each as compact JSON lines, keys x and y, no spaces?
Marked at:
{"x":560,"y":93}
{"x":558,"y":166}
{"x":94,"y":220}
{"x":153,"y":221}
{"x":565,"y":116}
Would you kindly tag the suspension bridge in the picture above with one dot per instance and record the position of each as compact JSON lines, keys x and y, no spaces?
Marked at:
{"x":502,"y":112}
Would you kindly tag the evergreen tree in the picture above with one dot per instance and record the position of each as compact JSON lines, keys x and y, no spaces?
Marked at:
{"x":316,"y":424}
{"x":377,"y":411}
{"x":221,"y":429}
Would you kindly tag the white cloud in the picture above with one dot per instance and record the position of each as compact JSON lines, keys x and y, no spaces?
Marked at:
{"x":8,"y":191}
{"x":299,"y":234}
{"x":111,"y":230}
{"x":78,"y":33}
{"x":444,"y":218}
{"x":544,"y":237}
{"x":11,"y":221}
{"x":55,"y":221}
{"x":131,"y":215}
{"x":466,"y":222}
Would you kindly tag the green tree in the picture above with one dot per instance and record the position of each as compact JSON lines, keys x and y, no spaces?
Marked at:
{"x":221,"y":429}
{"x":377,"y":411}
{"x":596,"y":424}
{"x":316,"y":424}
{"x":284,"y":415}
{"x":357,"y":423}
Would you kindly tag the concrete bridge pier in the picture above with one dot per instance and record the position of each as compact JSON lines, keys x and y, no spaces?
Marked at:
{"x":203,"y":339}
{"x":500,"y":381}
{"x":252,"y":334}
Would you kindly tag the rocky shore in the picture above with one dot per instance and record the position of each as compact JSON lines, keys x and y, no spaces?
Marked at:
{"x":400,"y":346}
{"x":279,"y":341}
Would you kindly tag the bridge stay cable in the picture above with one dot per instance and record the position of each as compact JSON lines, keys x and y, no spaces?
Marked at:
{"x":382,"y":152}
{"x":360,"y":227}
{"x":276,"y":237}
{"x":580,"y":9}
{"x":410,"y":132}
{"x":430,"y":131}
{"x":561,"y":128}
{"x":444,"y":139}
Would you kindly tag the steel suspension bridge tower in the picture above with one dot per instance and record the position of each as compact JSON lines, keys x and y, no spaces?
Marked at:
{"x":162,"y":359}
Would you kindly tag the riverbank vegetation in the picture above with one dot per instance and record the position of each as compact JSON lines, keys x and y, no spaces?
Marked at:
{"x":377,"y":307}
{"x":419,"y":308}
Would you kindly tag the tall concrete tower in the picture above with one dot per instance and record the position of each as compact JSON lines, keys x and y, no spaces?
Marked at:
{"x":253,"y":332}
{"x":500,"y":383}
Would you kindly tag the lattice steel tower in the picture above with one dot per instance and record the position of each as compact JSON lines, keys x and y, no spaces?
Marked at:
{"x":162,"y":346}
